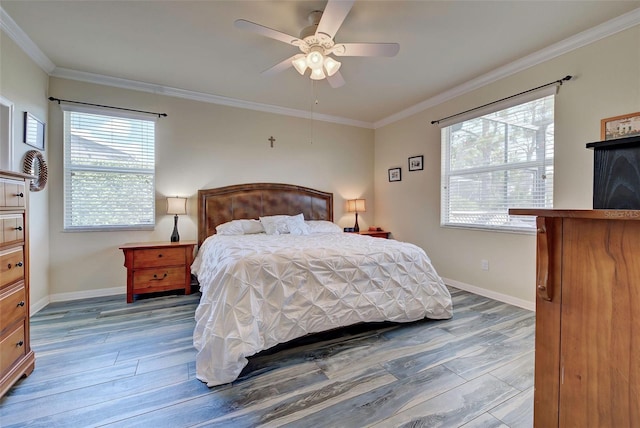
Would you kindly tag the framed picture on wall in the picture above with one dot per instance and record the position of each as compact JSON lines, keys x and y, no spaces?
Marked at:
{"x":416,"y":163}
{"x":627,"y":125}
{"x":395,"y":174}
{"x":33,"y":131}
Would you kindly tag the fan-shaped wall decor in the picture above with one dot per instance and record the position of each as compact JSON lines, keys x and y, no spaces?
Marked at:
{"x":34,"y":164}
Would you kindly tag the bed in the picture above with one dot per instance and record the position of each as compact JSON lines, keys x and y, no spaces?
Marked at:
{"x":272,"y":266}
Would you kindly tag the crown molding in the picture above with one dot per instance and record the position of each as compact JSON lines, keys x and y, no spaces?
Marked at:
{"x":613,"y":26}
{"x":606,"y":29}
{"x":117,"y":82}
{"x":9,"y":26}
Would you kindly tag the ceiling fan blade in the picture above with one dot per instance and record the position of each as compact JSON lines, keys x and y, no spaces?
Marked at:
{"x":336,"y":80}
{"x":264,"y":31}
{"x":279,"y":67}
{"x":334,"y":14}
{"x":366,"y":49}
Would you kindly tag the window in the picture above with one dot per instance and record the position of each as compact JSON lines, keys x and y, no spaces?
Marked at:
{"x":109,"y":171}
{"x":498,"y":161}
{"x":6,"y":134}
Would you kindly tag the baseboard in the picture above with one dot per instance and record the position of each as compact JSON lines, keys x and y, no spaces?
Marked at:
{"x":525,"y":304}
{"x":39,"y":305}
{"x":87,"y":294}
{"x":75,"y":295}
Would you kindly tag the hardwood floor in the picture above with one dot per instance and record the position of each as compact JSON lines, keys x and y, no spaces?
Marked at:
{"x":101,"y":362}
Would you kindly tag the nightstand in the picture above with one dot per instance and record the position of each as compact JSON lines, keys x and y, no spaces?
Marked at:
{"x":376,"y":233}
{"x":158,"y":266}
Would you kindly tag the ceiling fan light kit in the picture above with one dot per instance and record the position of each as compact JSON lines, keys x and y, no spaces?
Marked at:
{"x":316,"y":44}
{"x":317,"y":62}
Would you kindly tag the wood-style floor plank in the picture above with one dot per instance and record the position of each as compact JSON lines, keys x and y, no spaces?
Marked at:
{"x":102,"y":362}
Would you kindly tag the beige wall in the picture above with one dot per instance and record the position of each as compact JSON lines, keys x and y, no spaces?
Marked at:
{"x":25,"y":84}
{"x":606,"y":83}
{"x":201,"y":145}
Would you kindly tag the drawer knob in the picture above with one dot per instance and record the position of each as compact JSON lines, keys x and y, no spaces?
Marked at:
{"x":19,"y":264}
{"x":19,"y":228}
{"x":159,"y":255}
{"x":19,"y":344}
{"x":155,"y":277}
{"x":21,"y":303}
{"x":20,"y":195}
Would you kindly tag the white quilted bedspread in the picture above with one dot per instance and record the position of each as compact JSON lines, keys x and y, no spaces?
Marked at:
{"x":261,"y":290}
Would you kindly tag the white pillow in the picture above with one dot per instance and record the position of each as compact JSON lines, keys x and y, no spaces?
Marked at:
{"x":297,"y":226}
{"x":274,"y":224}
{"x":279,"y":224}
{"x":240,"y":227}
{"x":322,"y":226}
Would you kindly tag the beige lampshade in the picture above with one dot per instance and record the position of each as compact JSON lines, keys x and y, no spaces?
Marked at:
{"x":176,"y":205}
{"x":356,"y":205}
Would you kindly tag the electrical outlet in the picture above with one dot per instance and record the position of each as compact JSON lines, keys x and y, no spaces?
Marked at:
{"x":484,"y":264}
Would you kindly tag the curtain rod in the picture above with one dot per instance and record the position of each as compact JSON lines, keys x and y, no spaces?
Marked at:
{"x":556,"y":82}
{"x":115,"y":108}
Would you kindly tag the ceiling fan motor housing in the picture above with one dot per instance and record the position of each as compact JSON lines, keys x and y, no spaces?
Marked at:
{"x":314,"y":19}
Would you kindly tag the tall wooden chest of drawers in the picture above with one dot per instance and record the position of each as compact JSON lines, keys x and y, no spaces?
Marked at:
{"x":16,"y":357}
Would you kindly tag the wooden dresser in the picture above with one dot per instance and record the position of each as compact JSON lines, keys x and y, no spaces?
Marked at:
{"x":16,"y":357}
{"x":158,"y":266}
{"x":587,"y":362}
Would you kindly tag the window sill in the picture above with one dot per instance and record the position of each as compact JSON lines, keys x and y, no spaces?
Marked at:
{"x":516,"y":231}
{"x":109,"y":229}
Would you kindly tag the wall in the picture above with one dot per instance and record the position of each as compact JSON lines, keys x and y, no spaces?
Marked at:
{"x":606,"y":84}
{"x":25,"y":84}
{"x":200,"y":145}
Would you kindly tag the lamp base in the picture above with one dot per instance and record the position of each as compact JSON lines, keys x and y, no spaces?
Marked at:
{"x":356,"y":228}
{"x":175,"y":237}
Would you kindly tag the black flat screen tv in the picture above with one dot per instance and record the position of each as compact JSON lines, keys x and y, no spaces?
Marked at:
{"x":616,"y":174}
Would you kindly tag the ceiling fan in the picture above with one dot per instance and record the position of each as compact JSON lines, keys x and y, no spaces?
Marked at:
{"x":317,"y":45}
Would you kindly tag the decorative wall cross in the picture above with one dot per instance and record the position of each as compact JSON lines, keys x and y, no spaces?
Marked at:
{"x":272,"y":140}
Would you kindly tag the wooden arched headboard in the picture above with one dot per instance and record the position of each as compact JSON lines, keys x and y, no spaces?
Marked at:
{"x":250,"y":201}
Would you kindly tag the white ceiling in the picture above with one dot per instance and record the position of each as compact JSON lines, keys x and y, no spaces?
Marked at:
{"x":194,"y":46}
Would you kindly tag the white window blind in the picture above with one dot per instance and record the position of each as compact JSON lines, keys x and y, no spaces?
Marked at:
{"x":500,"y":160}
{"x":109,"y":170}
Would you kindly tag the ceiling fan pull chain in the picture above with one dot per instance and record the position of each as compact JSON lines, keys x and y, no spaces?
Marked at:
{"x":314,"y":101}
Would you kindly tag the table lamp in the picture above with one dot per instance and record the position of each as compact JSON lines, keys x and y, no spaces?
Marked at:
{"x":176,"y":206}
{"x":356,"y":206}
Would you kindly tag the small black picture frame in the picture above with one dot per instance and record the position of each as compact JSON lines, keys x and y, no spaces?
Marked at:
{"x":395,"y":174}
{"x":416,"y":163}
{"x":33,"y":131}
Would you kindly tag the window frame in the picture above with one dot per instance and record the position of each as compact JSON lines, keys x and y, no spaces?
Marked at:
{"x":527,"y":223}
{"x":68,"y":168}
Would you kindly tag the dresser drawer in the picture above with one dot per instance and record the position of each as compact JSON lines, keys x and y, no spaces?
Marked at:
{"x":12,"y":228}
{"x":12,"y":193}
{"x":154,"y":257}
{"x":11,"y":266}
{"x":12,"y":306}
{"x":159,"y":278}
{"x":12,"y":347}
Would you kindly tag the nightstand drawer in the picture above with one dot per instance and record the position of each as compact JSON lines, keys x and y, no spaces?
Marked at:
{"x":154,"y":257}
{"x":11,"y":266}
{"x":12,"y":306}
{"x":376,"y":233}
{"x":159,"y":278}
{"x":12,"y":347}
